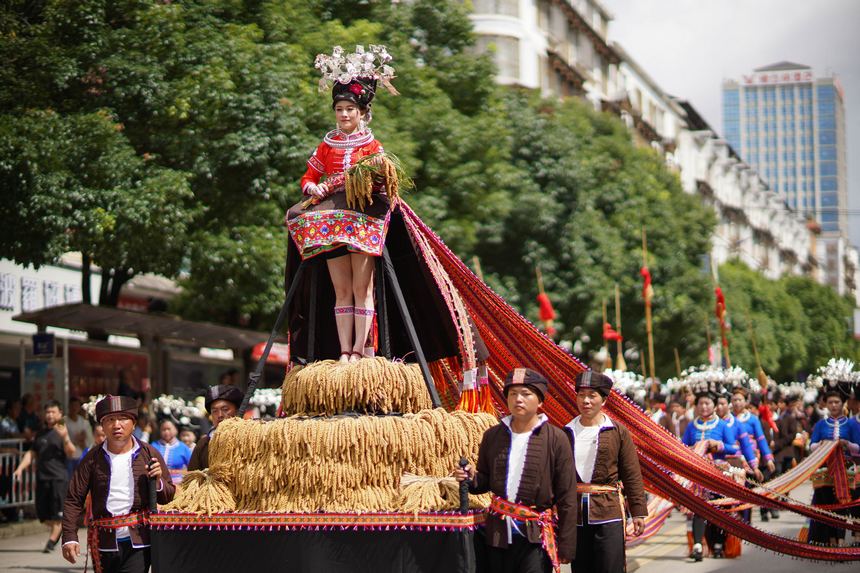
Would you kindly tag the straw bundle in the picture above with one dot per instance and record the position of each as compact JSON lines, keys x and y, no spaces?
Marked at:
{"x":343,"y":463}
{"x":371,"y":385}
{"x":421,"y":493}
{"x":376,"y":170}
{"x":202,"y":492}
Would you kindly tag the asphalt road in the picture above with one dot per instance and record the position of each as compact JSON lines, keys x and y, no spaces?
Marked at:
{"x":668,"y":549}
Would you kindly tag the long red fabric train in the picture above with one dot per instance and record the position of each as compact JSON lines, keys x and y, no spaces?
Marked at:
{"x":513,"y":341}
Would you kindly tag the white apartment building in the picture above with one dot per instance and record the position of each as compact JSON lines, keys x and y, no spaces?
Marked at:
{"x":562,"y":47}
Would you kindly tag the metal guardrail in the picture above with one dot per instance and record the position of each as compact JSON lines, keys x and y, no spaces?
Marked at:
{"x":15,"y":493}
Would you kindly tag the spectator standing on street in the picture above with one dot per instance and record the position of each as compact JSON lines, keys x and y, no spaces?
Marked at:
{"x":80,"y":431}
{"x":144,"y":429}
{"x":175,"y":453}
{"x":9,"y":424}
{"x":188,"y":437}
{"x":51,"y":448}
{"x":28,"y":421}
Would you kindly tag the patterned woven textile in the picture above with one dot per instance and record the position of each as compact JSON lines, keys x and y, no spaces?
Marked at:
{"x":513,"y":341}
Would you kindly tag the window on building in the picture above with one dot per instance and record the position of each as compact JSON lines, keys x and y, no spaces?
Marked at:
{"x":827,"y":137}
{"x":829,"y":200}
{"x":506,"y":54}
{"x":827,"y":168}
{"x":504,"y":7}
{"x":827,"y":152}
{"x":51,"y":293}
{"x":829,"y":184}
{"x":29,"y":294}
{"x":7,"y":291}
{"x":72,"y":294}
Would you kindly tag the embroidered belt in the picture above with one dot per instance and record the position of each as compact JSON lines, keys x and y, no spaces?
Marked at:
{"x":503,"y":507}
{"x":592,"y":489}
{"x":112,"y":523}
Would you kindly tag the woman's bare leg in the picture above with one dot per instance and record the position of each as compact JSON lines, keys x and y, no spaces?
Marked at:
{"x":340,"y":270}
{"x":362,"y":292}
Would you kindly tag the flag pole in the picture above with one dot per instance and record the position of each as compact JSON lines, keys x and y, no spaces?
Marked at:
{"x":620,"y":363}
{"x":677,"y":362}
{"x":476,"y":262}
{"x":648,"y":325}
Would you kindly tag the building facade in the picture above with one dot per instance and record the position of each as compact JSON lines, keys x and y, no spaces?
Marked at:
{"x":557,"y":46}
{"x":790,"y":126}
{"x":777,"y":181}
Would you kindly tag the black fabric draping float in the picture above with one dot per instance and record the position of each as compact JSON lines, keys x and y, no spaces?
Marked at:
{"x":332,"y":551}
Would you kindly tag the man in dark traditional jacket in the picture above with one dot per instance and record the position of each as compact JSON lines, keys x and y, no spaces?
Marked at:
{"x":607,"y":472}
{"x":117,"y":473}
{"x":527,"y":464}
{"x":222,"y":402}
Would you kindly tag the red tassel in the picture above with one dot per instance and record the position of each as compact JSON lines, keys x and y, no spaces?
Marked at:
{"x":546,"y":312}
{"x":609,"y":333}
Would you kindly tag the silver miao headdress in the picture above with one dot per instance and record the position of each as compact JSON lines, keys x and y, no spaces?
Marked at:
{"x":370,"y":64}
{"x":837,"y":374}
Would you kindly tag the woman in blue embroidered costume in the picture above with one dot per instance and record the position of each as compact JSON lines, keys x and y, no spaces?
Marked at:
{"x":350,"y":214}
{"x":837,"y":380}
{"x":717,"y":440}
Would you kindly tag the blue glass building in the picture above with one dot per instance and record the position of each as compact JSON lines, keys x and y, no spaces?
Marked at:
{"x":789,"y":126}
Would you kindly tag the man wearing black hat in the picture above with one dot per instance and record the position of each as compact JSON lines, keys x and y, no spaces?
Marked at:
{"x":222,"y":402}
{"x":527,"y":464}
{"x":606,"y":464}
{"x":117,"y":475}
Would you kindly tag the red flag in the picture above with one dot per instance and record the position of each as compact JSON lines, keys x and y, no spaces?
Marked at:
{"x":609,"y":333}
{"x":647,"y":289}
{"x":545,"y":310}
{"x":721,"y":311}
{"x":546,"y":313}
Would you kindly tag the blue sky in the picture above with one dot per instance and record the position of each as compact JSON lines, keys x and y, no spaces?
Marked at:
{"x":690,"y":46}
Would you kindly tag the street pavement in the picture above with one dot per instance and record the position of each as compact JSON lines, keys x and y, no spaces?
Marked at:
{"x":24,"y":554}
{"x":668,"y":549}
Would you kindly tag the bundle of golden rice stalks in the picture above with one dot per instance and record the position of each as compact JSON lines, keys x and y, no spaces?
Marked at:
{"x":373,"y":385}
{"x":428,"y":493}
{"x":202,"y":492}
{"x":345,"y":463}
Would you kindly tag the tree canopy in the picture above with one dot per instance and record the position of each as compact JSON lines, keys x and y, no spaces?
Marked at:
{"x":170,"y":137}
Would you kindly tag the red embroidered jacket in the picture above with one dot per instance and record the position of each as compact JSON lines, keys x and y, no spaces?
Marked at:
{"x":336,"y":154}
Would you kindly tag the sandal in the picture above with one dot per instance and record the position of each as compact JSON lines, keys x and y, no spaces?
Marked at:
{"x":354,"y":354}
{"x":348,"y":355}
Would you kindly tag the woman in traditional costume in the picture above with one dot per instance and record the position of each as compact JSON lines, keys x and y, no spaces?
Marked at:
{"x":346,"y":228}
{"x":836,"y":381}
{"x":351,"y":217}
{"x":710,"y":436}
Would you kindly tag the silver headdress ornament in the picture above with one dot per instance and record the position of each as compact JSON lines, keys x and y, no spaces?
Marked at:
{"x":837,"y":373}
{"x":709,"y":379}
{"x":629,"y":383}
{"x":371,"y":64}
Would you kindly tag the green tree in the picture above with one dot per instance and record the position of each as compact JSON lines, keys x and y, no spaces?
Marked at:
{"x":762,"y":308}
{"x":590,"y":192}
{"x":74,"y":183}
{"x":201,"y":100}
{"x":829,"y":322}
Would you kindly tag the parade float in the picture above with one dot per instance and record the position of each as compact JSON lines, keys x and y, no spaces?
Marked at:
{"x":354,"y":473}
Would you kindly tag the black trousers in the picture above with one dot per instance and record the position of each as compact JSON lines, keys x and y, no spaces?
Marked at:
{"x":600,"y":548}
{"x":521,"y":556}
{"x":126,"y":560}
